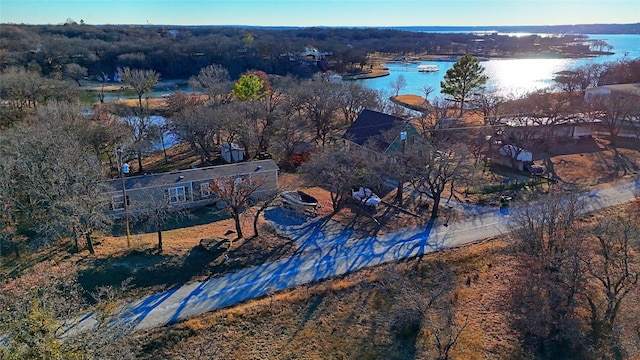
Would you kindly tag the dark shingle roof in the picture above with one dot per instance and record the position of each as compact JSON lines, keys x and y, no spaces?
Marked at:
{"x":370,"y":125}
{"x":185,"y":176}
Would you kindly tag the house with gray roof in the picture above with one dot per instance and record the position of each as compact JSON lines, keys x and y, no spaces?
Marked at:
{"x":380,"y":132}
{"x":187,"y":188}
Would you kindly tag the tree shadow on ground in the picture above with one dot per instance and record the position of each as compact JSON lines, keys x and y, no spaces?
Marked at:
{"x":568,"y":147}
{"x":148,"y":269}
{"x":199,"y":216}
{"x":145,"y":269}
{"x":625,"y":142}
{"x":256,"y":251}
{"x":623,"y":163}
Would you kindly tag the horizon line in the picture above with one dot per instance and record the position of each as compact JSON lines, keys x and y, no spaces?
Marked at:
{"x":332,"y":26}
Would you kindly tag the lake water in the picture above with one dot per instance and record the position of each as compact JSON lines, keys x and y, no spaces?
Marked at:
{"x":506,"y":76}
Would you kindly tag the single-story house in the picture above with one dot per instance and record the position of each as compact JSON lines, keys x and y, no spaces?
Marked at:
{"x":532,"y":128}
{"x":381,"y":132}
{"x":622,"y":102}
{"x":187,"y":188}
{"x":622,"y":93}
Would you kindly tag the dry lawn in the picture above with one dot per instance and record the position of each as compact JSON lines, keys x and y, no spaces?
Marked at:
{"x":595,"y":162}
{"x":353,"y":317}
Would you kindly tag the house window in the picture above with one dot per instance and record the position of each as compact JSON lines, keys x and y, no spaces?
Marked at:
{"x":177,"y":194}
{"x":117,"y":203}
{"x":205,"y":190}
{"x":242,"y":179}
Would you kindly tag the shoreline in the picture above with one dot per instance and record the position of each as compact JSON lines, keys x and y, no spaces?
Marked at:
{"x":380,"y":70}
{"x":456,"y":57}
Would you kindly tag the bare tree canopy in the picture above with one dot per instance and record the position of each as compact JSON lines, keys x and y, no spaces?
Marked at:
{"x":341,"y":169}
{"x":140,"y":81}
{"x":235,"y":195}
{"x":214,"y":81}
{"x":57,"y":183}
{"x":582,"y":275}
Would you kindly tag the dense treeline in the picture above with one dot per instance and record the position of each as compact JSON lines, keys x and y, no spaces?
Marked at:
{"x":180,"y":52}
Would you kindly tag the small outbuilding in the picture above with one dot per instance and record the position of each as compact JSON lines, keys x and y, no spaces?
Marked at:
{"x":232,"y":153}
{"x":513,"y":157}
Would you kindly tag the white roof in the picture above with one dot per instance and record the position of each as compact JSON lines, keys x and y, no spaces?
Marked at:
{"x":630,"y":88}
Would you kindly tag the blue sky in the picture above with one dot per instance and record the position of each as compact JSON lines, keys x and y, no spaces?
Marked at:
{"x":322,"y":13}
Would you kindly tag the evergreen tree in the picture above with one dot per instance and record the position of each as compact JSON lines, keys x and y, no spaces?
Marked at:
{"x":462,"y":79}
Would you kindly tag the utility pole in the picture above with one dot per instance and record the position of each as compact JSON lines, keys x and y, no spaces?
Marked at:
{"x":124,"y":169}
{"x":403,"y":139}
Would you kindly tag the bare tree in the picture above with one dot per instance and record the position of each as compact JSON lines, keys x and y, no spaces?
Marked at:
{"x":436,"y":167}
{"x":22,"y":92}
{"x":441,"y":107}
{"x":321,"y":102}
{"x":103,"y":78}
{"x":104,"y":133}
{"x":613,"y":273}
{"x":423,"y":302}
{"x":260,"y":207}
{"x":234,"y":123}
{"x":58,"y":181}
{"x":614,"y":110}
{"x":75,"y":72}
{"x":21,"y":88}
{"x":340,"y":170}
{"x":199,"y":126}
{"x":617,"y":112}
{"x":550,"y":245}
{"x":9,"y":205}
{"x":144,"y":132}
{"x":266,"y":115}
{"x":292,"y":133}
{"x":489,"y":105}
{"x":235,"y":194}
{"x":214,"y":81}
{"x":568,"y":80}
{"x":140,"y":81}
{"x":426,"y":91}
{"x":398,"y":84}
{"x":154,"y":213}
{"x":38,"y":308}
{"x":354,"y":98}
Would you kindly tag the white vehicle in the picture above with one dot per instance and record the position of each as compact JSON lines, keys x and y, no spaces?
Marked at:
{"x":366,"y":197}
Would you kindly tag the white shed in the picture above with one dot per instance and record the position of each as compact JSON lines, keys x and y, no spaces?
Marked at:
{"x":517,"y":153}
{"x":232,"y":152}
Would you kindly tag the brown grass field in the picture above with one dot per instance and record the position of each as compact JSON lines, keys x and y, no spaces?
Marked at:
{"x":352,"y":317}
